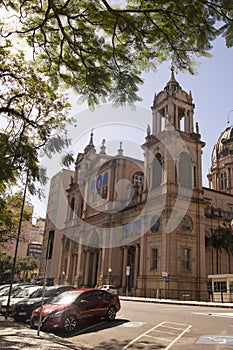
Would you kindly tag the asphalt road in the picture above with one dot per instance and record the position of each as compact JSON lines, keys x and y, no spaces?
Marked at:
{"x":160,"y":326}
{"x":139,"y":325}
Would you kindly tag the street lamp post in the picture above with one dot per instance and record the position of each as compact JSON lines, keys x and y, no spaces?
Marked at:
{"x":63,"y":277}
{"x":127,"y":279}
{"x":109,"y":275}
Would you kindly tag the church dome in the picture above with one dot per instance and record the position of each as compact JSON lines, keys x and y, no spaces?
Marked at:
{"x":224,"y":145}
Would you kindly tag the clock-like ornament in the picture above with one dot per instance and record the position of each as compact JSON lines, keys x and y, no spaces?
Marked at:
{"x":186,"y":224}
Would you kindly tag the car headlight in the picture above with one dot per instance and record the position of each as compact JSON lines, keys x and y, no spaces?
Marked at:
{"x":56,"y":314}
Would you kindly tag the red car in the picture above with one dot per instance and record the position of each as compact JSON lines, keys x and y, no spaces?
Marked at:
{"x":70,"y":308}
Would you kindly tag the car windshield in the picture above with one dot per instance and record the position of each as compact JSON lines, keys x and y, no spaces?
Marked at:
{"x":37,"y":293}
{"x":4,"y":291}
{"x":65,"y":298}
{"x":3,"y":287}
{"x":24,"y":293}
{"x":16,"y":291}
{"x":49,"y":292}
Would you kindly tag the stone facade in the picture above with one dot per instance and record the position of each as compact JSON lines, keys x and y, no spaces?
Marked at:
{"x":54,"y":223}
{"x":142,"y":225}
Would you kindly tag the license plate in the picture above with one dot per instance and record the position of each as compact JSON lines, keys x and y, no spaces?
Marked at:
{"x":22,"y":313}
{"x":36,"y":324}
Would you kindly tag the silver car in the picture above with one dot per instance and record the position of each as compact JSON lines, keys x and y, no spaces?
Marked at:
{"x":110,"y":288}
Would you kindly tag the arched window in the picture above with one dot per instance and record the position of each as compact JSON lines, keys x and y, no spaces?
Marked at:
{"x":185,"y":170}
{"x":137,"y":182}
{"x":157,"y":171}
{"x":104,"y":192}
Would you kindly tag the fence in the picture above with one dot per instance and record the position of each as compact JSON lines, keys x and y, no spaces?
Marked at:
{"x":174,"y":294}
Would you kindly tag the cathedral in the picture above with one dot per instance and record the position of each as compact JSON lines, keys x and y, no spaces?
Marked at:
{"x":145,"y":226}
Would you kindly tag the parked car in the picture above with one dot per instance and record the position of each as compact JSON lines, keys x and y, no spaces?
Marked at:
{"x":68,"y":309}
{"x":23,"y":309}
{"x":5,"y":288}
{"x":110,"y":288}
{"x":17,"y":295}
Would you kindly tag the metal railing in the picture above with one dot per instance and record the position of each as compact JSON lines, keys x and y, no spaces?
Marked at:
{"x":182,"y":295}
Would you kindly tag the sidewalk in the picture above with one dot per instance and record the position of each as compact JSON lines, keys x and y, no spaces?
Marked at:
{"x":17,"y":336}
{"x":177,"y":302}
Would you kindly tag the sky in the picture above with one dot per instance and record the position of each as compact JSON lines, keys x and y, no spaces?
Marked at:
{"x":212,"y":91}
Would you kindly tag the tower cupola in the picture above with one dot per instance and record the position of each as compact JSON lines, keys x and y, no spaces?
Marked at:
{"x":172,"y":85}
{"x":221,"y":172}
{"x":90,"y":146}
{"x":173,"y":106}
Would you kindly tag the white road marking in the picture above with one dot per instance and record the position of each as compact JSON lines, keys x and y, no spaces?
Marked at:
{"x":179,"y":336}
{"x":159,"y":338}
{"x":140,"y":336}
{"x":168,"y":325}
{"x":216,"y":314}
{"x":132,"y":324}
{"x":163,"y":331}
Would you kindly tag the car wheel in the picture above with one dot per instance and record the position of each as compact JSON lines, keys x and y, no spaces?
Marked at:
{"x":111,"y":314}
{"x":32,"y":325}
{"x":70,"y":323}
{"x":17,"y":318}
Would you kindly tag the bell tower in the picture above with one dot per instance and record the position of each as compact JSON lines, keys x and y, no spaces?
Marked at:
{"x":173,"y":124}
{"x":173,"y":105}
{"x":173,"y":168}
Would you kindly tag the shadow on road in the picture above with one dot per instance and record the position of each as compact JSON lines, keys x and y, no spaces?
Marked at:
{"x":16,"y":336}
{"x":115,"y":344}
{"x":92,"y":327}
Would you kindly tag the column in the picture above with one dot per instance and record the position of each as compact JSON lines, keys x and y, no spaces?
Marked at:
{"x":67,"y":272}
{"x":125,"y":257}
{"x":191,"y":120}
{"x":102,"y":264}
{"x":78,"y":277}
{"x":74,"y":268}
{"x":136,"y":266}
{"x":99,"y":280}
{"x":157,"y":125}
{"x":62,"y":261}
{"x":111,"y":187}
{"x":229,"y":179}
{"x":85,"y":199}
{"x":94,"y":269}
{"x":186,"y":122}
{"x":87,"y":265}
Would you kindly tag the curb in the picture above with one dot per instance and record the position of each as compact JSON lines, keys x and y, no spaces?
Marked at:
{"x":177,"y":302}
